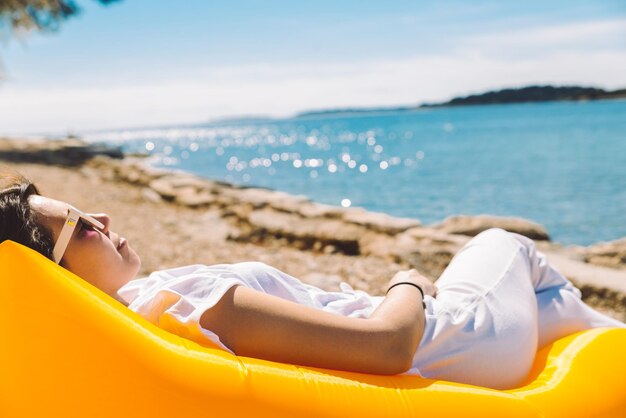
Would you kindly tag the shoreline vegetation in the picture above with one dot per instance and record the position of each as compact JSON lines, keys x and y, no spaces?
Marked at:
{"x":529,"y":94}
{"x":173,"y":218}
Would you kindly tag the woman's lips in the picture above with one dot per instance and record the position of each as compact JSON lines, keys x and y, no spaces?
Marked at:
{"x":121,"y":243}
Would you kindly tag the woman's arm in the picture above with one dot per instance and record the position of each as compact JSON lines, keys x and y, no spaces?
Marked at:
{"x":255,"y":324}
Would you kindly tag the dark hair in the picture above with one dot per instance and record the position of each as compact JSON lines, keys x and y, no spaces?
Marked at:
{"x":17,"y":221}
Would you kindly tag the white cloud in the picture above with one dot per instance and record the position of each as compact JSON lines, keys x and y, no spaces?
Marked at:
{"x":581,"y":36}
{"x":478,"y":65}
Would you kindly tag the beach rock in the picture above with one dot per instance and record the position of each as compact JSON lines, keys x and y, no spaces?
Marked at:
{"x":423,"y":248}
{"x":380,"y":222}
{"x":67,"y":152}
{"x":319,"y":210}
{"x":184,"y":189}
{"x":189,"y":181}
{"x":129,"y":170}
{"x":608,"y":254}
{"x":136,"y":172}
{"x":473,"y":225}
{"x":194,"y":198}
{"x":164,"y":188}
{"x":232,"y":196}
{"x":602,"y":287}
{"x":429,"y":251}
{"x":150,"y":195}
{"x":378,"y":245}
{"x":259,"y":198}
{"x":304,"y":233}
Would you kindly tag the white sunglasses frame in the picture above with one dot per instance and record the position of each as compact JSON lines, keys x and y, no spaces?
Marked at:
{"x":73,"y":217}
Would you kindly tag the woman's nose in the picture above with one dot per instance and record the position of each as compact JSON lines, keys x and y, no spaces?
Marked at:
{"x":105,"y":219}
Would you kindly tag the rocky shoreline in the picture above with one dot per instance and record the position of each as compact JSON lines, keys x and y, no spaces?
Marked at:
{"x":278,"y":222}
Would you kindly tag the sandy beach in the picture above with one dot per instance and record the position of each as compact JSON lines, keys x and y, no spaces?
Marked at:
{"x":171,"y":231}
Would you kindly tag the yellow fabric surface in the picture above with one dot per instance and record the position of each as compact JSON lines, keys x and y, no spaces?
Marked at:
{"x":69,"y":350}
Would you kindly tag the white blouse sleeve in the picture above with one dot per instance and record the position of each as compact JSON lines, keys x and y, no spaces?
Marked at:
{"x":174,"y":300}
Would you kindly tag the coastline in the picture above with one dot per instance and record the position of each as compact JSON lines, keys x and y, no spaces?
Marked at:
{"x":173,"y":218}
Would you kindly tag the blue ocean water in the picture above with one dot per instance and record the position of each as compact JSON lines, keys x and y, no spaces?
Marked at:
{"x":560,"y":164}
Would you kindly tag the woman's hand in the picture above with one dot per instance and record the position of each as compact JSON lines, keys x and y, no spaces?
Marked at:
{"x":413,"y":276}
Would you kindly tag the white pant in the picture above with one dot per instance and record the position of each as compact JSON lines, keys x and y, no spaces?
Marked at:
{"x":499,"y":301}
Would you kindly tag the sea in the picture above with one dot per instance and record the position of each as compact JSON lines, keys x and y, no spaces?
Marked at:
{"x":560,"y":164}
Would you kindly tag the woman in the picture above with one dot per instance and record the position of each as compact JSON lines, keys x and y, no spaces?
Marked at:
{"x":496,"y":303}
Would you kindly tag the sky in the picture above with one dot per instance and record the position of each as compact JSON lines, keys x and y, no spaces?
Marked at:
{"x":141,"y":63}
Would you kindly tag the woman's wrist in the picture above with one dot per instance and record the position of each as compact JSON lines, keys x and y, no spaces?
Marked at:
{"x":407,"y":283}
{"x":426,"y":286}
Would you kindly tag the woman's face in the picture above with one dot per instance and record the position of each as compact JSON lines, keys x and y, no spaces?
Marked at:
{"x":102,"y":258}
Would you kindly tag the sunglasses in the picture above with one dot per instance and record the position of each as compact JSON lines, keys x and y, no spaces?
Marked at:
{"x":74,"y":216}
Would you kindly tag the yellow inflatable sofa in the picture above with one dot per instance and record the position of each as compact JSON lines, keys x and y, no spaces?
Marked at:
{"x":69,"y":350}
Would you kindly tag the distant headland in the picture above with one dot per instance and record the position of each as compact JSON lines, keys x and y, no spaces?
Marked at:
{"x":529,"y":94}
{"x":534,"y":94}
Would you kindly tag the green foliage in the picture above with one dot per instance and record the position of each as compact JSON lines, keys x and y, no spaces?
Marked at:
{"x":27,"y":15}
